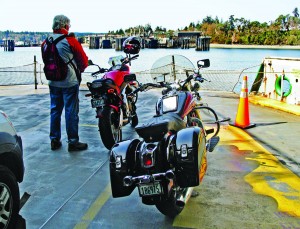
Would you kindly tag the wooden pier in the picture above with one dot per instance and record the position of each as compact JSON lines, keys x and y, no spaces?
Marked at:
{"x":184,"y":40}
{"x":203,"y":43}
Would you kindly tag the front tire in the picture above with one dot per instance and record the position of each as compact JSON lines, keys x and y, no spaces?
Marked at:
{"x":9,"y":190}
{"x":134,"y":120}
{"x":110,"y":131}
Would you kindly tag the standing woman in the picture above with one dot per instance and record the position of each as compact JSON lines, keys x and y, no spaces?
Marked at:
{"x":64,"y":93}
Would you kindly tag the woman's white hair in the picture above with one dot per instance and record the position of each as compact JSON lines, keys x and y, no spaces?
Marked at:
{"x":60,"y":21}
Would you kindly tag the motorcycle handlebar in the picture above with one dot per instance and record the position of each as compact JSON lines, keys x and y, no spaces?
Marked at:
{"x":201,"y":79}
{"x":101,"y":70}
{"x":126,"y":60}
{"x":143,"y":87}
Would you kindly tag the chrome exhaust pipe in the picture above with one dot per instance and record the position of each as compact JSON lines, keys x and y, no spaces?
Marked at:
{"x":127,"y":181}
{"x":144,"y":179}
{"x":180,"y":203}
{"x":170,"y":175}
{"x":182,"y":198}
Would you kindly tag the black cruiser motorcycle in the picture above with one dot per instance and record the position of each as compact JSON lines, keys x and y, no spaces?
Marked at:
{"x":169,"y":158}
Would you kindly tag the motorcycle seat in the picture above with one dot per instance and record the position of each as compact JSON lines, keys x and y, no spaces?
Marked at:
{"x":155,"y":129}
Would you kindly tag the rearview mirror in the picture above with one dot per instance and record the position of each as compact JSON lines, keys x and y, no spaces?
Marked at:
{"x":90,"y":62}
{"x":205,"y":63}
{"x":160,"y":78}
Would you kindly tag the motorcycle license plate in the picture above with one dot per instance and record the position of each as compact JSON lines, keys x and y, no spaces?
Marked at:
{"x":150,"y":189}
{"x":97,"y":103}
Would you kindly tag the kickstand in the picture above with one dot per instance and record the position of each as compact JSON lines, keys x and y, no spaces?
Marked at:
{"x":24,"y":199}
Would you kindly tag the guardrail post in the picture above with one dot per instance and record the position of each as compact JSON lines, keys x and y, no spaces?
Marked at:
{"x":35,"y":76}
{"x":173,"y":67}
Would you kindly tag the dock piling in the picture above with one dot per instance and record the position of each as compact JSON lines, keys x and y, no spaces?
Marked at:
{"x":9,"y":45}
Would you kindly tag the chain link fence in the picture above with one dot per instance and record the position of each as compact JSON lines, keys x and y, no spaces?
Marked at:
{"x":218,"y":80}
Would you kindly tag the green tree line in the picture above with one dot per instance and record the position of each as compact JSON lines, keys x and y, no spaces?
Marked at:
{"x":285,"y":30}
{"x":282,"y":31}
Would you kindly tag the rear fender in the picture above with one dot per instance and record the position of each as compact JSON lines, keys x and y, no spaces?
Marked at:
{"x":121,"y":163}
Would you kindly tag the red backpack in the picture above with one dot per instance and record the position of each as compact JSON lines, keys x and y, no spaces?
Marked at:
{"x":55,"y":68}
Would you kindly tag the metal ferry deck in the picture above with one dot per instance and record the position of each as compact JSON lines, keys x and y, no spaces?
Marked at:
{"x":252,"y":179}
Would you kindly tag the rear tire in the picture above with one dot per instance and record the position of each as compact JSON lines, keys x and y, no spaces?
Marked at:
{"x":110,"y":131}
{"x":9,"y":187}
{"x":168,"y":207}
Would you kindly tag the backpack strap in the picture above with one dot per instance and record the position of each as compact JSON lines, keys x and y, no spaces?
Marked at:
{"x":55,"y":41}
{"x":59,"y":39}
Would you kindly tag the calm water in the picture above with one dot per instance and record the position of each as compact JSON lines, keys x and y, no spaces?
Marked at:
{"x":221,"y":59}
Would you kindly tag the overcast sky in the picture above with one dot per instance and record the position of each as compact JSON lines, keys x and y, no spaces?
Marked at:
{"x":104,"y":15}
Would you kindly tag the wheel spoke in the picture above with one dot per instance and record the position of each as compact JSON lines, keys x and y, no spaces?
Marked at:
{"x":2,"y":221}
{"x":4,"y":197}
{"x":4,"y":203}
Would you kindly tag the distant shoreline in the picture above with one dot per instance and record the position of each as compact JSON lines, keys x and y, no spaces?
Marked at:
{"x":236,"y":46}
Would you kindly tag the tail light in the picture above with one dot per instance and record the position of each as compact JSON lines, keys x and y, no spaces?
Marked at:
{"x":147,"y":156}
{"x":148,"y":159}
{"x":110,"y":91}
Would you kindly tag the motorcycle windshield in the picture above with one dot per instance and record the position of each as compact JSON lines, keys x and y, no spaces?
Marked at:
{"x":170,"y":68}
{"x":115,"y":60}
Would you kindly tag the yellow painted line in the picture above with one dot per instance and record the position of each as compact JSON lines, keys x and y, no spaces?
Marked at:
{"x":270,"y":178}
{"x":88,"y":125}
{"x":94,"y":209}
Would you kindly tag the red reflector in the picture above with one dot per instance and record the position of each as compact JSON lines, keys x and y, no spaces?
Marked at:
{"x":110,"y":91}
{"x":147,"y":160}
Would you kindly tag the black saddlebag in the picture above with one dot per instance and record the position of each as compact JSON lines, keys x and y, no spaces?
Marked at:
{"x":122,"y":161}
{"x":155,"y":129}
{"x":189,"y":152}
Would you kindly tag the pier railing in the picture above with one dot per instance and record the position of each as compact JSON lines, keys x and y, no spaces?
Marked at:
{"x":219,"y":80}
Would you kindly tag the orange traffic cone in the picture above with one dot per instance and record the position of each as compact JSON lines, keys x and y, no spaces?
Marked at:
{"x":242,"y":117}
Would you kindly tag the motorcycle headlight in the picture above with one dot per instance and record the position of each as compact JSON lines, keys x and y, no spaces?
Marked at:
{"x":169,"y":104}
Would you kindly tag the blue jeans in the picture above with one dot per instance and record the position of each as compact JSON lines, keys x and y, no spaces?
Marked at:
{"x":64,"y":98}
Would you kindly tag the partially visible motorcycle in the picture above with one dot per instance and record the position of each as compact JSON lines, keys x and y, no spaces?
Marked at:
{"x":111,"y":94}
{"x":169,"y":158}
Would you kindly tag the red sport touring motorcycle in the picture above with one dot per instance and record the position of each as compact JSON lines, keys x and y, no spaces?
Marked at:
{"x":111,"y":95}
{"x":169,"y":158}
